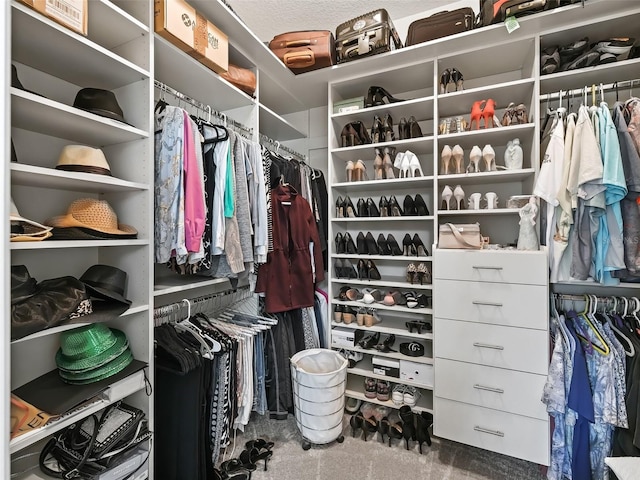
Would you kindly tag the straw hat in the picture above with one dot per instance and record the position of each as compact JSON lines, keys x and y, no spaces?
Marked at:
{"x":80,"y":158}
{"x":96,"y":216}
{"x":87,"y":348}
{"x":24,"y":230}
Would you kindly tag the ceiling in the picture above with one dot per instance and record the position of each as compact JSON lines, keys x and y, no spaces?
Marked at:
{"x":267,"y":18}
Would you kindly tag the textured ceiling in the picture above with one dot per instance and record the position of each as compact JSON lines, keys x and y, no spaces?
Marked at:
{"x":267,"y":18}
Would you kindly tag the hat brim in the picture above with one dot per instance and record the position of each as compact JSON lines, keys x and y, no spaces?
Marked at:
{"x":65,"y":221}
{"x":67,"y":364}
{"x":95,"y":375}
{"x":79,"y":233}
{"x":32,"y":229}
{"x":106,"y":114}
{"x":84,"y":169}
{"x":106,"y":294}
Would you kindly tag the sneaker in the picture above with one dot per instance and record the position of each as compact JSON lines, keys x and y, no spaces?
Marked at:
{"x":352,"y":357}
{"x":397,"y":396}
{"x":410,"y":396}
{"x":370,"y":387}
{"x":383,"y":390}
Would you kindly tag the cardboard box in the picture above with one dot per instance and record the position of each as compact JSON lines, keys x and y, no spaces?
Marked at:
{"x":187,"y":29}
{"x":345,"y":337}
{"x":421,"y":373}
{"x":386,"y":366}
{"x":72,"y":14}
{"x":349,"y":105}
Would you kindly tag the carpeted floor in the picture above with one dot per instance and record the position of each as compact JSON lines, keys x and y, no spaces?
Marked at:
{"x":356,"y":459}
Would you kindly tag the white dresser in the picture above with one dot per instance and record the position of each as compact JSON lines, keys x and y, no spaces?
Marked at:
{"x":491,"y":336}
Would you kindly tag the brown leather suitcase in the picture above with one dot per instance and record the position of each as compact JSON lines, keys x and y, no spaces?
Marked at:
{"x":366,"y":35}
{"x":442,"y":24}
{"x":305,"y":50}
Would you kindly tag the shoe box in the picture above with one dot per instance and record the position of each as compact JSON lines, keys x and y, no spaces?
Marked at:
{"x":386,"y":366}
{"x":345,"y":337}
{"x":421,"y":373}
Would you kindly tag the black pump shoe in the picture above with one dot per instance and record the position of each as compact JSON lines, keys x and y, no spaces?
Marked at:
{"x":378,"y":94}
{"x":383,"y":246}
{"x":421,"y":206}
{"x":385,"y":346}
{"x":372,"y":246}
{"x":383,"y":428}
{"x":350,"y":246}
{"x":339,"y":207}
{"x":376,"y":130}
{"x":356,"y":423}
{"x":394,"y":248}
{"x":340,"y":245}
{"x":394,"y":207}
{"x":409,"y":206}
{"x":414,"y":128}
{"x":362,"y":208}
{"x":387,"y":126}
{"x":369,"y":341}
{"x":372,"y":271}
{"x":403,"y":129}
{"x":421,"y":250}
{"x":384,"y":206}
{"x":362,"y":244}
{"x":409,"y":248}
{"x":372,"y":209}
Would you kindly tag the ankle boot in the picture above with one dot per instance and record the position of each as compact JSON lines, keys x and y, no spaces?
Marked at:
{"x":408,"y":427}
{"x":423,"y":422}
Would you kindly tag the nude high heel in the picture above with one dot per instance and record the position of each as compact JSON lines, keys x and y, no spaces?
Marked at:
{"x":447,"y":193}
{"x":474,"y":160}
{"x":489,"y":155}
{"x":387,"y":164}
{"x":349,"y":169}
{"x":360,"y":171}
{"x":476,"y":113}
{"x":445,"y":157}
{"x":377,"y":166}
{"x":458,"y":158}
{"x":458,"y":194}
{"x":488,"y":112}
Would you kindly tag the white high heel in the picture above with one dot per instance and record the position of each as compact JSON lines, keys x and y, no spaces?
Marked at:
{"x":489,"y":155}
{"x":474,"y":160}
{"x":458,"y":158}
{"x":414,"y":164}
{"x":405,"y":170}
{"x":513,"y":155}
{"x":458,"y":194}
{"x":397,"y":163}
{"x":492,"y":200}
{"x":447,"y":193}
{"x":474,"y":201}
{"x":445,"y":157}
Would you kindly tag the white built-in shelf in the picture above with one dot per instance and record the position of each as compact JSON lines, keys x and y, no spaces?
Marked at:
{"x":574,"y":79}
{"x":51,"y":244}
{"x":275,"y":126}
{"x":380,"y":327}
{"x":168,"y":285}
{"x":38,"y":114}
{"x":380,"y":306}
{"x":483,"y":136}
{"x":55,"y":330}
{"x":460,"y":103}
{"x":384,"y":219}
{"x":386,"y":282}
{"x":399,"y":258}
{"x":419,"y":146}
{"x":494,"y":211}
{"x":59,"y":51}
{"x":201,"y":84}
{"x":411,"y":183}
{"x":36,"y":435}
{"x":483,"y":178}
{"x":33,"y":176}
{"x":395,"y":355}
{"x":364,"y":368}
{"x":111,"y":26}
{"x":420,"y":108}
{"x":423,"y":404}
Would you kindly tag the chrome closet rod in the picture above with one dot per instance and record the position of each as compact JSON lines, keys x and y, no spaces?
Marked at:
{"x":581,"y":91}
{"x":168,"y":313}
{"x":276,"y":143}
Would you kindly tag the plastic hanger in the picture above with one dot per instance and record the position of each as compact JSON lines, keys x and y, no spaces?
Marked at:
{"x":631,"y":351}
{"x":186,"y":326}
{"x":603,"y":348}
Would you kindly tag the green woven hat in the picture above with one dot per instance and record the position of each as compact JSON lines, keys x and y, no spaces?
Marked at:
{"x":95,"y":375}
{"x":89,"y":347}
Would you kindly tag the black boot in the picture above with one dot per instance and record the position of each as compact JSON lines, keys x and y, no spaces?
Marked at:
{"x":424,"y":421}
{"x":408,"y":426}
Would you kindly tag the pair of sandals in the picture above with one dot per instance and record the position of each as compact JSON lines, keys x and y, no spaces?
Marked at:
{"x":419,"y":300}
{"x":240,"y":468}
{"x":581,"y":54}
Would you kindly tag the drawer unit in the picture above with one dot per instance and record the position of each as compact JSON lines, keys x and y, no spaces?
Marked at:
{"x":505,"y":390}
{"x":513,"y":305}
{"x":529,"y":268}
{"x":506,"y":433}
{"x":494,"y":345}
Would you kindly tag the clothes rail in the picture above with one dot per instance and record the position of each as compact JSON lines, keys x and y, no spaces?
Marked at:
{"x":228,"y":122}
{"x":264,"y":139}
{"x":592,"y":88}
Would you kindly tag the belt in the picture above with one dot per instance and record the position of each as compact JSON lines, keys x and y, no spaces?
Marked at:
{"x":413,"y":349}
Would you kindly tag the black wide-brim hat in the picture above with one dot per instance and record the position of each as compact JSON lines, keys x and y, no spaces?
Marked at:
{"x":107,"y":282}
{"x":99,"y":101}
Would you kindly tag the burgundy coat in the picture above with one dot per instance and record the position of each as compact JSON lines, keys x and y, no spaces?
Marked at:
{"x":287,"y":278}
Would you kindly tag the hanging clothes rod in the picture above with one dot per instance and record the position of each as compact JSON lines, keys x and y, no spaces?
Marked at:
{"x":163,"y":87}
{"x":275,"y":143}
{"x":588,"y":89}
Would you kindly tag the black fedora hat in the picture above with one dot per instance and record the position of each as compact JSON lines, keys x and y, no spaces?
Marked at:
{"x":16,"y":83}
{"x":99,"y":101}
{"x":107,"y":282}
{"x":23,"y":285}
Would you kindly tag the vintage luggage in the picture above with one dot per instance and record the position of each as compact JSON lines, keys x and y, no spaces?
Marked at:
{"x":305,"y":50}
{"x":442,"y":24}
{"x":242,"y":78}
{"x":366,"y":35}
{"x":496,"y":11}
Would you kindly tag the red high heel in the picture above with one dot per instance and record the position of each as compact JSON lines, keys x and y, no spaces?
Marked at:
{"x":476,"y":113}
{"x":488,"y":112}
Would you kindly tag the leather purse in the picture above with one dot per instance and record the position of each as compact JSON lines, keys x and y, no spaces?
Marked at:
{"x":441,"y":24}
{"x":242,"y":78}
{"x":460,"y":236}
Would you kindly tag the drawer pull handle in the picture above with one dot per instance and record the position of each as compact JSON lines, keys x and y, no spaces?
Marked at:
{"x":489,"y":389}
{"x":487,"y":267}
{"x":497,"y":433}
{"x":489,"y":304}
{"x":487,"y":345}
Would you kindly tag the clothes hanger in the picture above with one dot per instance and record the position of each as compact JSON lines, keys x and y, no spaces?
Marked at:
{"x":624,"y":340}
{"x":186,"y":326}
{"x":603,"y":348}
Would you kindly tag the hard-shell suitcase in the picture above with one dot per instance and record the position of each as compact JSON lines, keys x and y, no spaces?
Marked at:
{"x":495,"y":11}
{"x":305,"y":50}
{"x":442,"y":24}
{"x":366,"y":35}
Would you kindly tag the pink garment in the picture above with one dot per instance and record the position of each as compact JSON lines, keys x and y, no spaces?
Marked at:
{"x":194,"y":206}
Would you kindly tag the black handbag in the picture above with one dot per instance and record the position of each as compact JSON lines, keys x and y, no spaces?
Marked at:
{"x":89,"y":447}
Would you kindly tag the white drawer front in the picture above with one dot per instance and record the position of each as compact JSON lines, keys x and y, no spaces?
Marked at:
{"x":514,"y":435}
{"x":496,"y":303}
{"x":497,"y":388}
{"x":492,"y":266}
{"x":494,"y":345}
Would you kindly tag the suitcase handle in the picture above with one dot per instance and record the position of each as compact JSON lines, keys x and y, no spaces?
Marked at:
{"x":299,"y":59}
{"x":298,"y":43}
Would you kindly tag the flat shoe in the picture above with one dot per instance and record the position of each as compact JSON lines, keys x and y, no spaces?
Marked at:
{"x":588,"y":59}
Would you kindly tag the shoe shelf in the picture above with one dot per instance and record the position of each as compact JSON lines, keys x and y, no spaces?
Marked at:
{"x":401,"y":258}
{"x":494,"y":211}
{"x":38,"y":114}
{"x":493,"y":136}
{"x":416,"y":107}
{"x":394,"y":355}
{"x":393,"y":308}
{"x":380,"y":327}
{"x":364,"y":368}
{"x":411,"y":183}
{"x":59,"y":51}
{"x":355,"y":389}
{"x":383,"y":219}
{"x":419,"y":146}
{"x":51,"y":244}
{"x":386,"y":282}
{"x":483,"y":178}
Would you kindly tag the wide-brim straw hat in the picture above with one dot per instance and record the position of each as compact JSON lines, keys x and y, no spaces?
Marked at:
{"x":30,"y":231}
{"x":80,"y":158}
{"x":92,"y":214}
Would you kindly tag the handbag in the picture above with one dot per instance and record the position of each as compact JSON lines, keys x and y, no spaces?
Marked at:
{"x":460,"y":236}
{"x":242,"y":78}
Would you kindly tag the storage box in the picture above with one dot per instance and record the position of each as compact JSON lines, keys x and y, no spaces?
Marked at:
{"x":187,"y":29}
{"x":349,"y":105}
{"x":386,"y":366}
{"x":345,"y":337}
{"x":72,"y":14}
{"x":421,"y":373}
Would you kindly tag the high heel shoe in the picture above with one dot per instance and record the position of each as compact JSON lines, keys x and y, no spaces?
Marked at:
{"x":423,"y":422}
{"x":395,"y":431}
{"x":250,"y":458}
{"x":372,"y":271}
{"x":387,"y":164}
{"x":341,"y":246}
{"x":458,"y":194}
{"x":372,"y":209}
{"x":474,"y":160}
{"x":368,"y":342}
{"x":474,"y":201}
{"x":521,"y":114}
{"x":421,"y":250}
{"x":422,"y":274}
{"x":362,"y":208}
{"x":378,"y":172}
{"x":489,"y":156}
{"x":361,"y":244}
{"x":339,"y":206}
{"x":408,"y":248}
{"x":350,"y":246}
{"x":488,"y":112}
{"x":408,"y":427}
{"x":376,"y":129}
{"x":421,"y":208}
{"x":384,"y":206}
{"x":383,"y":427}
{"x":385,"y":347}
{"x":337,"y":313}
{"x":492,"y":200}
{"x":360,"y":171}
{"x":339,"y":268}
{"x":394,"y":207}
{"x":369,"y":425}
{"x":457,"y":79}
{"x":372,"y":246}
{"x":387,"y":128}
{"x":415,"y":169}
{"x":348,"y":314}
{"x":380,"y":94}
{"x":476,"y":113}
{"x":348,"y":270}
{"x":394,"y":248}
{"x":349,"y":169}
{"x":349,"y":210}
{"x":409,"y":206}
{"x":414,"y":128}
{"x":356,"y":423}
{"x":403,"y":129}
{"x":411,"y":273}
{"x":445,"y":160}
{"x":383,"y":245}
{"x":404,"y":166}
{"x":363,"y":274}
{"x":458,"y":158}
{"x":446,"y":195}
{"x":445,"y":78}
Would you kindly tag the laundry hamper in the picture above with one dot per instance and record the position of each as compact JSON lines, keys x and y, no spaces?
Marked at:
{"x":319,"y":380}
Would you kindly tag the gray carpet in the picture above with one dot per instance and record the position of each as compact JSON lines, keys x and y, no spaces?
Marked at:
{"x":356,"y":459}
